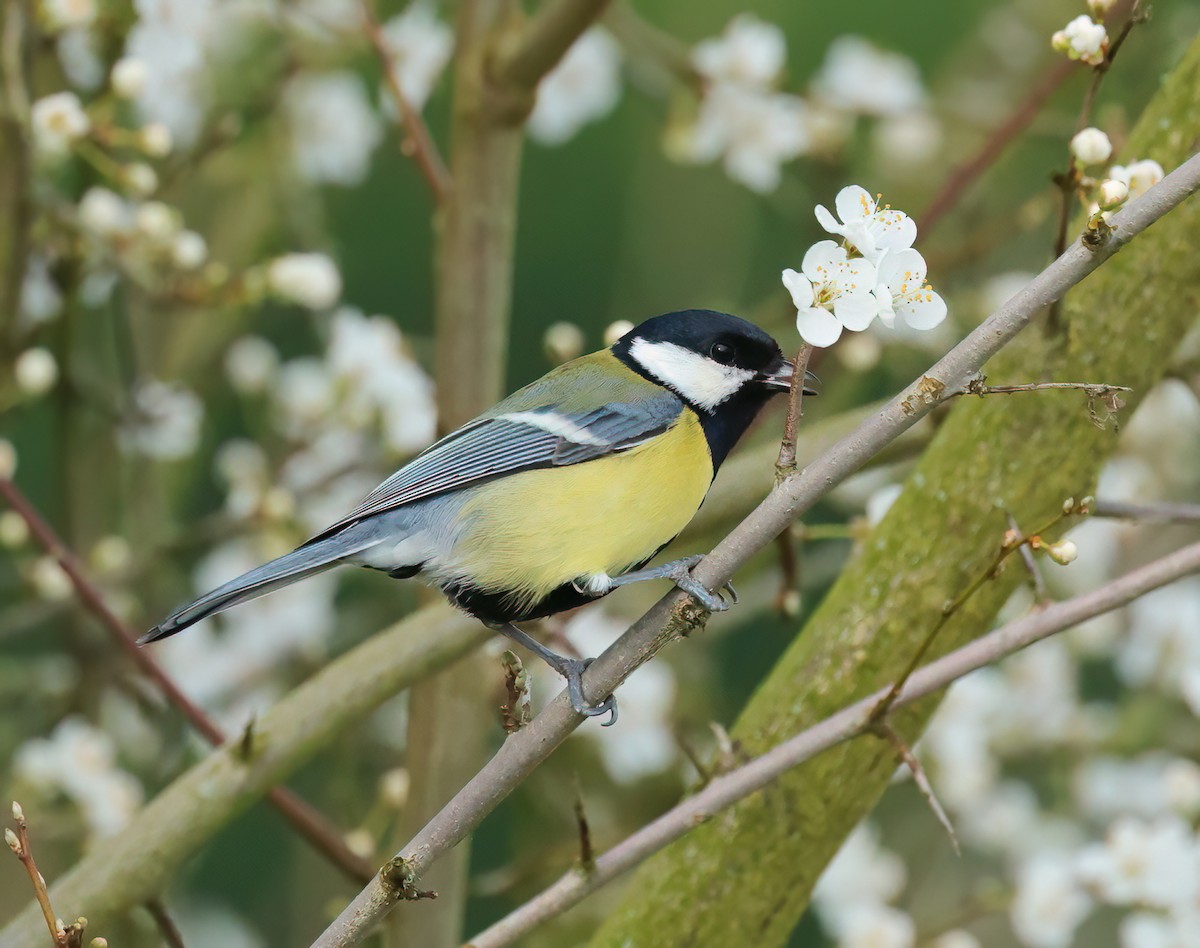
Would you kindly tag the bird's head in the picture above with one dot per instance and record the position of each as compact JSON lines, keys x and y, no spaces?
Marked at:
{"x":707,"y":358}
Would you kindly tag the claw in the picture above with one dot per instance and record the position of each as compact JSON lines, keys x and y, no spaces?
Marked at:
{"x":573,"y":672}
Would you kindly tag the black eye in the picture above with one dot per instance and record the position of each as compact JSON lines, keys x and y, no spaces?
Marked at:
{"x":723,"y":353}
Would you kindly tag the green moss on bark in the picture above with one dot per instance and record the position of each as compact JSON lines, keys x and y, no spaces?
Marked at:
{"x":746,"y":877}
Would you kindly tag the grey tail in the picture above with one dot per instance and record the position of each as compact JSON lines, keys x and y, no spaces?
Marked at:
{"x":305,"y":561}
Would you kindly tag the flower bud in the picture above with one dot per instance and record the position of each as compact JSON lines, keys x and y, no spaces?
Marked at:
{"x":1100,"y":8}
{"x":1063,"y":552}
{"x":141,"y":179}
{"x":1091,"y":147}
{"x":14,"y":531}
{"x":156,"y":140}
{"x":563,"y":341}
{"x":36,"y":371}
{"x":128,"y":77}
{"x":1113,"y":194}
{"x":17,"y":812}
{"x":616,"y":330}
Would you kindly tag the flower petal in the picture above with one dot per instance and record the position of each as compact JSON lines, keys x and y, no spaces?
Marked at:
{"x":818,"y":327}
{"x":898,"y":267}
{"x":823,"y":261}
{"x":894,"y":230}
{"x":856,"y":311}
{"x":801,"y":289}
{"x":827,"y":220}
{"x":922,"y":310}
{"x":857,"y":275}
{"x":854,"y":204}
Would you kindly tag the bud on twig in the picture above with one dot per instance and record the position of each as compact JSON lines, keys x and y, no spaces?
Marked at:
{"x":13,"y":843}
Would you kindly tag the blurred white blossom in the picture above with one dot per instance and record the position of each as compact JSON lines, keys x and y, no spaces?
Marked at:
{"x":419,"y":45}
{"x":57,"y":121}
{"x":584,"y":87}
{"x":1155,"y":864}
{"x":860,"y":77}
{"x":860,"y":881}
{"x":65,"y":14}
{"x":1138,"y":176}
{"x":128,"y":77}
{"x":311,"y":280}
{"x":251,"y":364}
{"x":1049,"y":904}
{"x":80,"y":762}
{"x":79,"y":56}
{"x":750,"y":53}
{"x":41,"y":299}
{"x":36,"y":371}
{"x":165,"y":421}
{"x":333,"y":128}
{"x":1091,"y":146}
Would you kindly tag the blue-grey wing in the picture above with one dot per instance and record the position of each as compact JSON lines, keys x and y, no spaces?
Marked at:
{"x":517,"y":441}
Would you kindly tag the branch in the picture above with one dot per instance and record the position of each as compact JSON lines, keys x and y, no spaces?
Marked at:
{"x":673,"y":614}
{"x":134,"y":866}
{"x":18,"y":842}
{"x":1162,"y":513}
{"x":420,"y":145}
{"x":303,"y":817}
{"x":724,"y":791}
{"x":545,"y":39}
{"x":1005,"y":134}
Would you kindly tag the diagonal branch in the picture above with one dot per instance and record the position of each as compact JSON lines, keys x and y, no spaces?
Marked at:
{"x":724,"y":791}
{"x":420,"y":144}
{"x":672,"y":615}
{"x":303,"y":817}
{"x":545,"y":39}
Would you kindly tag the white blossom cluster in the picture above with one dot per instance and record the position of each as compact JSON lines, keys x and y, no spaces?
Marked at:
{"x":746,"y":120}
{"x":1051,"y":797}
{"x":874,"y":273}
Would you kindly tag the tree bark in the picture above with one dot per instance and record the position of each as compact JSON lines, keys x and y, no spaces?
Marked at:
{"x":746,"y":878}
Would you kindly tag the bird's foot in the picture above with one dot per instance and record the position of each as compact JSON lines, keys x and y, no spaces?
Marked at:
{"x":572,"y":670}
{"x":680,"y":573}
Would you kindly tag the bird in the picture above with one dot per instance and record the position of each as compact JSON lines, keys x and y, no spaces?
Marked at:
{"x":562,"y":492}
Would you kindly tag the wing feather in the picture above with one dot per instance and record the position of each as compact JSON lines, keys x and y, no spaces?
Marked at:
{"x":502,"y":444}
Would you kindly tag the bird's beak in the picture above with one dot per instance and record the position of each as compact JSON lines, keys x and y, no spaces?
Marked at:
{"x":780,"y":380}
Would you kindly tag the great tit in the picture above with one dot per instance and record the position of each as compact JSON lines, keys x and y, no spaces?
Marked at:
{"x":560,"y":493}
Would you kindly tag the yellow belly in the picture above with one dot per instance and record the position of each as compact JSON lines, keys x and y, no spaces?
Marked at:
{"x":532,"y":532}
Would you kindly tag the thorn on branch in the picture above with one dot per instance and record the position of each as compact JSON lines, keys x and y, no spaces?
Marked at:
{"x":166,"y":925}
{"x":400,"y":881}
{"x":246,"y":748}
{"x":884,"y":730}
{"x":516,"y":712}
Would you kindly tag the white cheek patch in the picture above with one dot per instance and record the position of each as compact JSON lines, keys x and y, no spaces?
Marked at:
{"x":698,"y":379}
{"x":556,"y":424}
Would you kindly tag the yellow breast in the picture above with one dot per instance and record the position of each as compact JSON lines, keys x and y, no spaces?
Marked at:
{"x":534,"y":531}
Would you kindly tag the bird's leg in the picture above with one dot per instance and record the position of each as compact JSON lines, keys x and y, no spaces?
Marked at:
{"x":680,"y":573}
{"x":571,"y":669}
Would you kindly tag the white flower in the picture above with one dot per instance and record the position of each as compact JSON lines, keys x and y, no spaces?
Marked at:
{"x":615,"y":330}
{"x":36,"y":371}
{"x":858,"y":76}
{"x":1139,"y":176}
{"x":862,"y":875}
{"x":1049,"y":904}
{"x":80,"y":58}
{"x":755,"y":131}
{"x":188,"y":250}
{"x":251,"y":364}
{"x":1091,"y":146}
{"x":872,"y":230}
{"x":104,"y":212}
{"x":583,"y":87}
{"x":80,"y":761}
{"x":751,"y":52}
{"x":128,"y":77}
{"x":832,"y":292}
{"x":309,"y":279}
{"x":562,"y":341}
{"x":1141,"y":863}
{"x":333,"y":128}
{"x":1083,"y":39}
{"x":64,"y":14}
{"x":58,"y":120}
{"x":156,"y":222}
{"x":156,"y":140}
{"x":877,"y":926}
{"x":909,"y":139}
{"x":901,"y":290}
{"x":419,"y":45}
{"x":956,"y":938}
{"x":49,"y":580}
{"x":140,"y":178}
{"x":166,"y":421}
{"x":41,"y":299}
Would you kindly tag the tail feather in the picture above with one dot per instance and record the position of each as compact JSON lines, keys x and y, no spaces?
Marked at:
{"x":292,"y":567}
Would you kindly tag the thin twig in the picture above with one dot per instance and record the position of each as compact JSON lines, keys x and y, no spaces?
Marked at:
{"x":419,"y":144}
{"x":1160,"y":512}
{"x":303,"y":817}
{"x":165,"y":924}
{"x":888,"y":733}
{"x":728,"y":789}
{"x":672,"y":615}
{"x":1091,"y":389}
{"x":587,"y":855}
{"x":786,"y":465}
{"x":990,"y":151}
{"x":18,"y":842}
{"x":1041,"y":597}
